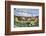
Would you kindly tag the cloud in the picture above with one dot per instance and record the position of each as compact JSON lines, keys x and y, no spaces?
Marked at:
{"x":26,"y":12}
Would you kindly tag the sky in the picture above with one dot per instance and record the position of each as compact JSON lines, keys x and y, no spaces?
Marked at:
{"x":26,"y":12}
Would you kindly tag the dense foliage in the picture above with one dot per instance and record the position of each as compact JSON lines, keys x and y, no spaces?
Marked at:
{"x":26,"y":21}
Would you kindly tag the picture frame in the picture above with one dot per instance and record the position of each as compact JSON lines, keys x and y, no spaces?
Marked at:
{"x":26,"y":13}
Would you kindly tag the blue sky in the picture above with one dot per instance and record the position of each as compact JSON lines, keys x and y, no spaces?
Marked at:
{"x":26,"y":12}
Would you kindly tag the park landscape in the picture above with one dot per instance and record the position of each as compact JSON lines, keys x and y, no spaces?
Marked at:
{"x":26,"y":17}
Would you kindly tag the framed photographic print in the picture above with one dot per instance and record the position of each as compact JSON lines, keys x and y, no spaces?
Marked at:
{"x":24,"y":17}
